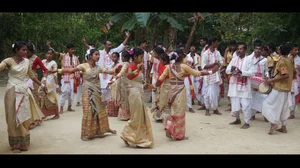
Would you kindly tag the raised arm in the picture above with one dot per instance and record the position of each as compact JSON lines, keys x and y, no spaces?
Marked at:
{"x":122,"y":45}
{"x":127,"y":38}
{"x":58,"y":54}
{"x":85,"y":43}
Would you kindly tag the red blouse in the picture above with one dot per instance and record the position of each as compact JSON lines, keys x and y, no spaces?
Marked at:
{"x":161,"y":69}
{"x":37,"y":62}
{"x":133,"y":68}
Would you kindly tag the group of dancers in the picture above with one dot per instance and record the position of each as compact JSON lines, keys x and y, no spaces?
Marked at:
{"x":112,"y":81}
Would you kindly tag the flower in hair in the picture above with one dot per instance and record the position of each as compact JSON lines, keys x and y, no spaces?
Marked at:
{"x":13,"y":45}
{"x":33,"y":47}
{"x":174,"y":53}
{"x":131,"y":52}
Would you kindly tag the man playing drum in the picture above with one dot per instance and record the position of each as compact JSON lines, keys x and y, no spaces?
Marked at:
{"x":277,"y":104}
{"x":260,"y":67}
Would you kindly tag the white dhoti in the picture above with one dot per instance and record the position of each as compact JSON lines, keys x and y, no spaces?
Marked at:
{"x":245,"y":103}
{"x":196,"y":88}
{"x":204,"y":87}
{"x":276,"y":107}
{"x":257,"y":102}
{"x":67,"y":92}
{"x":294,"y":93}
{"x":188,"y":91}
{"x":211,"y":96}
{"x":153,"y":94}
{"x":79,"y":93}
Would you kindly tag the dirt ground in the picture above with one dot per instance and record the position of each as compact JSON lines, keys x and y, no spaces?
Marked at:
{"x":207,"y":135}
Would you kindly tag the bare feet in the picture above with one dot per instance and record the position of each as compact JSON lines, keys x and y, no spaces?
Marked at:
{"x":291,"y":117}
{"x":229,"y":104}
{"x":16,"y":151}
{"x":272,"y":128}
{"x":282,"y":129}
{"x":217,"y":112}
{"x":24,"y":149}
{"x":70,"y":109}
{"x":207,"y":113}
{"x":55,"y":117}
{"x":236,"y":122}
{"x":61,"y":110}
{"x":126,"y":143}
{"x":191,"y":110}
{"x":245,"y":126}
{"x":168,"y":134}
{"x":252,"y":118}
{"x":112,"y":131}
{"x":85,"y":139}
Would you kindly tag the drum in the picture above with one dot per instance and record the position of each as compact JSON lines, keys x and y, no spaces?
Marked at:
{"x":264,"y":89}
{"x":255,"y":81}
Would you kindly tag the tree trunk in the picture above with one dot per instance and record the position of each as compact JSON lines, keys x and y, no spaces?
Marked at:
{"x":154,"y":37}
{"x":166,"y":34}
{"x":172,"y":37}
{"x":191,"y":36}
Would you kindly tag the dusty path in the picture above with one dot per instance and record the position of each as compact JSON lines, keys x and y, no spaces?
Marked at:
{"x":207,"y":135}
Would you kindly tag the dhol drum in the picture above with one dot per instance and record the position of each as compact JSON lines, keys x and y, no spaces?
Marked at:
{"x":264,"y":89}
{"x":255,"y":81}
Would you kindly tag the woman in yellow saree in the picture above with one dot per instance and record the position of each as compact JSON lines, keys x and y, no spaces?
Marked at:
{"x":95,"y":118}
{"x":18,"y":98}
{"x":175,"y":125}
{"x":138,"y":129}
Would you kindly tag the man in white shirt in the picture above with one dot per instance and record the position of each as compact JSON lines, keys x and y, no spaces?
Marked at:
{"x":296,"y":82}
{"x":210,"y":58}
{"x":240,"y":86}
{"x":105,"y":61}
{"x":203,"y":43}
{"x":259,"y":64}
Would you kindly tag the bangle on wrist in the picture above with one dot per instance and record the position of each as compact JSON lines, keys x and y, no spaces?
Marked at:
{"x":59,"y":71}
{"x":210,"y":72}
{"x":57,"y":86}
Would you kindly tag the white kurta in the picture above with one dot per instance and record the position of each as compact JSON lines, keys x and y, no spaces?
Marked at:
{"x":203,"y":83}
{"x":190,"y":62}
{"x":260,"y":70}
{"x":105,"y":61}
{"x":212,"y":82}
{"x":197,"y":79}
{"x":240,"y":98}
{"x":154,"y":71}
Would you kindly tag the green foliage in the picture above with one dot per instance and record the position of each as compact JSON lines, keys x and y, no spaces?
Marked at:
{"x":62,"y":28}
{"x":142,"y":18}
